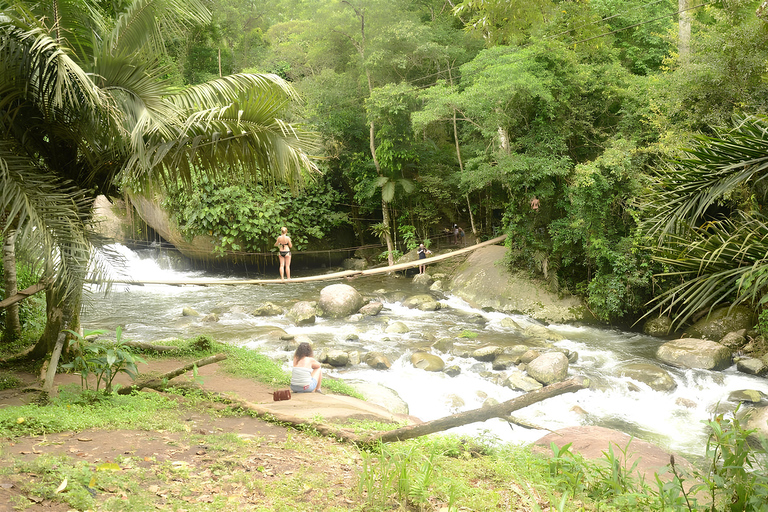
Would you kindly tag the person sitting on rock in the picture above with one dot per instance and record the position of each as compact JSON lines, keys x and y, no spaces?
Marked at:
{"x":306,"y":374}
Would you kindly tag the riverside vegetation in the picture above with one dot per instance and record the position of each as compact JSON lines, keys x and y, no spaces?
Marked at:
{"x":300,"y":470}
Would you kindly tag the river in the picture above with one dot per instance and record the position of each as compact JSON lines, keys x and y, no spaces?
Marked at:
{"x":153,"y":312}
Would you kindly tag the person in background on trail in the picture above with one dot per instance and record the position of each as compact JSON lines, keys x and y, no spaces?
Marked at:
{"x":535,"y":204}
{"x":461,"y":236}
{"x":284,"y":245}
{"x":422,"y":252}
{"x":306,"y":374}
{"x":455,"y":234}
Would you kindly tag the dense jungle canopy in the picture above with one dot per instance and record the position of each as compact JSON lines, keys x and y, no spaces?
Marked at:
{"x":638,"y":125}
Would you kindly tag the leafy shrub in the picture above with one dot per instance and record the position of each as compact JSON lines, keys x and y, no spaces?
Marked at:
{"x":103,"y":362}
{"x":246,"y":217}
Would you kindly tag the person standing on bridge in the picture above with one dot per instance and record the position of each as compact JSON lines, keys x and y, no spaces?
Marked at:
{"x":284,"y":246}
{"x":422,"y":252}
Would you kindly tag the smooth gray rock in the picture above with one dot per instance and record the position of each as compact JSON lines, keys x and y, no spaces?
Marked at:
{"x":549,"y":368}
{"x":757,"y":419}
{"x":371,"y":309}
{"x":414,"y":301}
{"x":486,"y":353}
{"x":340,"y":300}
{"x":337,"y":358}
{"x":735,"y":340}
{"x":529,"y":356}
{"x":453,"y":370}
{"x":504,"y":362}
{"x":541,"y":333}
{"x":746,"y":395}
{"x":653,"y":376}
{"x":380,"y":395}
{"x":722,"y":321}
{"x":752,"y":366}
{"x":377,"y":360}
{"x":485,"y":281}
{"x":422,"y":280}
{"x":695,"y":353}
{"x":658,"y":326}
{"x":397,"y":328}
{"x":187,"y":311}
{"x":428,"y":362}
{"x":303,"y":313}
{"x":520,"y":382}
{"x":510,"y":324}
{"x":267,"y":309}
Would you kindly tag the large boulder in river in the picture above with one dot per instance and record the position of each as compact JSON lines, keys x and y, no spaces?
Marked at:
{"x":756,"y":419}
{"x":377,"y":360}
{"x":549,"y":368}
{"x":340,"y":300}
{"x":659,"y":326}
{"x":418,"y":301}
{"x":303,"y":313}
{"x":695,"y":353}
{"x":371,"y":309}
{"x":722,"y":321}
{"x":427,"y":361}
{"x":654,"y":377}
{"x":484,"y":281}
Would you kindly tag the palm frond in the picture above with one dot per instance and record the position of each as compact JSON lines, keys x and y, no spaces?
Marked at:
{"x":725,"y":262}
{"x":715,"y":167}
{"x":47,"y":215}
{"x":34,"y":67}
{"x":145,"y":24}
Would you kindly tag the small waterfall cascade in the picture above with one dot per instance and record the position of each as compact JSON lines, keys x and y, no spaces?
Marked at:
{"x":671,"y":419}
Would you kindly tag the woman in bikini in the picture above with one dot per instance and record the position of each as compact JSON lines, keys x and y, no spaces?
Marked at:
{"x":284,"y":245}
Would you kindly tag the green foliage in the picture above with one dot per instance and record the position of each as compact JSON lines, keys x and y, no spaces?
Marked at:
{"x":705,"y":223}
{"x":8,"y":381}
{"x":74,"y":411}
{"x":737,"y":477}
{"x":468,"y":334}
{"x":248,"y":217}
{"x":105,"y":363}
{"x":404,"y":470}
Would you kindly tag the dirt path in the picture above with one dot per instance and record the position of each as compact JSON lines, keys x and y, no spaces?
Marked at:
{"x":147,"y":450}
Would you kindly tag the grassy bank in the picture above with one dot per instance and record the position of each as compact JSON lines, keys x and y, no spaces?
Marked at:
{"x":162,"y":460}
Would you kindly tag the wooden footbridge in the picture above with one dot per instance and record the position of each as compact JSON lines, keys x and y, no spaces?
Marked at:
{"x":321,"y":277}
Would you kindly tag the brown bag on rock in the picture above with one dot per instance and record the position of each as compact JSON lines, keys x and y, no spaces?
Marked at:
{"x":281,"y":394}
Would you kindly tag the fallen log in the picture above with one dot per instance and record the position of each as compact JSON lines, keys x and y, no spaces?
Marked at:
{"x":502,"y":410}
{"x":161,"y":382}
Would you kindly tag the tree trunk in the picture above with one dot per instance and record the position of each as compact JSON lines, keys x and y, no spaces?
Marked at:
{"x":161,"y":382}
{"x":502,"y":410}
{"x":62,"y":313}
{"x":12,"y":323}
{"x":684,"y":31}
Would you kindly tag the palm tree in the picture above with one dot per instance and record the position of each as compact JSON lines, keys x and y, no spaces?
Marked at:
{"x":713,"y":260}
{"x":87,"y":103}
